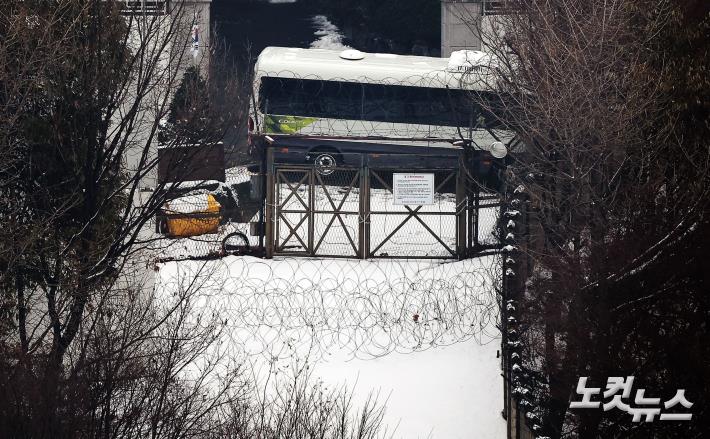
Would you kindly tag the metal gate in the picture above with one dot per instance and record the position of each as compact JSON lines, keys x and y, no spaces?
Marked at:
{"x":314,"y":213}
{"x":349,"y":211}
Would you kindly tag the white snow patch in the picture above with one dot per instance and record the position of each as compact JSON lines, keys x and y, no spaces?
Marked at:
{"x":237,"y":175}
{"x":329,"y":36}
{"x":447,"y":392}
{"x":189,"y":204}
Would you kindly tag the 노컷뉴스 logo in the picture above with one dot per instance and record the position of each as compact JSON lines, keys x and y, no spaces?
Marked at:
{"x":618,"y":389}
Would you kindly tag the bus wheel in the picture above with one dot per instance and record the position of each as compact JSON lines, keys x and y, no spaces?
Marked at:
{"x":325,"y":163}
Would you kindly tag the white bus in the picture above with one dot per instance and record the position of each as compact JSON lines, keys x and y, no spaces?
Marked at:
{"x":378,"y":102}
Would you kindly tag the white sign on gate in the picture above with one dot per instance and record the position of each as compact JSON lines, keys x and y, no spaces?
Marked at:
{"x":413,"y":189}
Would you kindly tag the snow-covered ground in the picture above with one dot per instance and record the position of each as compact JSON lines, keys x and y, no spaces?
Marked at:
{"x":421,"y":333}
{"x":447,"y":392}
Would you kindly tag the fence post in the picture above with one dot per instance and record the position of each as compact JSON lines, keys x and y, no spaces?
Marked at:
{"x":365,"y":206}
{"x":475,"y":218}
{"x":515,"y":236}
{"x":311,"y":207}
{"x":462,"y":249}
{"x":361,"y":214}
{"x":270,"y":200}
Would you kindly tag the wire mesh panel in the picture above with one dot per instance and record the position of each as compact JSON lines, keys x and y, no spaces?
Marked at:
{"x":336,"y":213}
{"x":293,"y":210}
{"x":400,"y":228}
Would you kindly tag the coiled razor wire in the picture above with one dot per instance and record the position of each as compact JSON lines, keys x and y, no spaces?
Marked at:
{"x":366,"y":309}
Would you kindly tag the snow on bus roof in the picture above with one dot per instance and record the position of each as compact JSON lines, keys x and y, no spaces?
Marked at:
{"x":331,"y":65}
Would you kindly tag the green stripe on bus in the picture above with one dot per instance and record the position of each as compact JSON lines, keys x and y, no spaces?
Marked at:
{"x":286,"y":124}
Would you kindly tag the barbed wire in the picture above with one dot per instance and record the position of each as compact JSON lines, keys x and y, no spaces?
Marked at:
{"x":364,"y":309}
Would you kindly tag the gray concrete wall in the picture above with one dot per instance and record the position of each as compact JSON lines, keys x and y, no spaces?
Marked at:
{"x":184,"y":14}
{"x":459,"y":23}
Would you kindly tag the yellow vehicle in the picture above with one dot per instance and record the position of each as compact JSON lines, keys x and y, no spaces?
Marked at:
{"x":192,"y":215}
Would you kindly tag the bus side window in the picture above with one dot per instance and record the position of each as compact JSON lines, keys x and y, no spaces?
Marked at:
{"x":432,"y":104}
{"x":312,"y":98}
{"x":491,"y":108}
{"x":379,"y":102}
{"x":383,"y":103}
{"x":341,"y":100}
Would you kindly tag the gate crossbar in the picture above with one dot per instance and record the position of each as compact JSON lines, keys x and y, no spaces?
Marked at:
{"x":413,"y":213}
{"x":337,"y":212}
{"x":292,"y":191}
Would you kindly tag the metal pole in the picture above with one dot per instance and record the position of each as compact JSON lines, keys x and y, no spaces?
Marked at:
{"x":365,"y":196}
{"x":270,"y":188}
{"x":263,"y":171}
{"x":476,"y":217}
{"x":364,"y":215}
{"x":461,"y":209}
{"x":311,"y":208}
